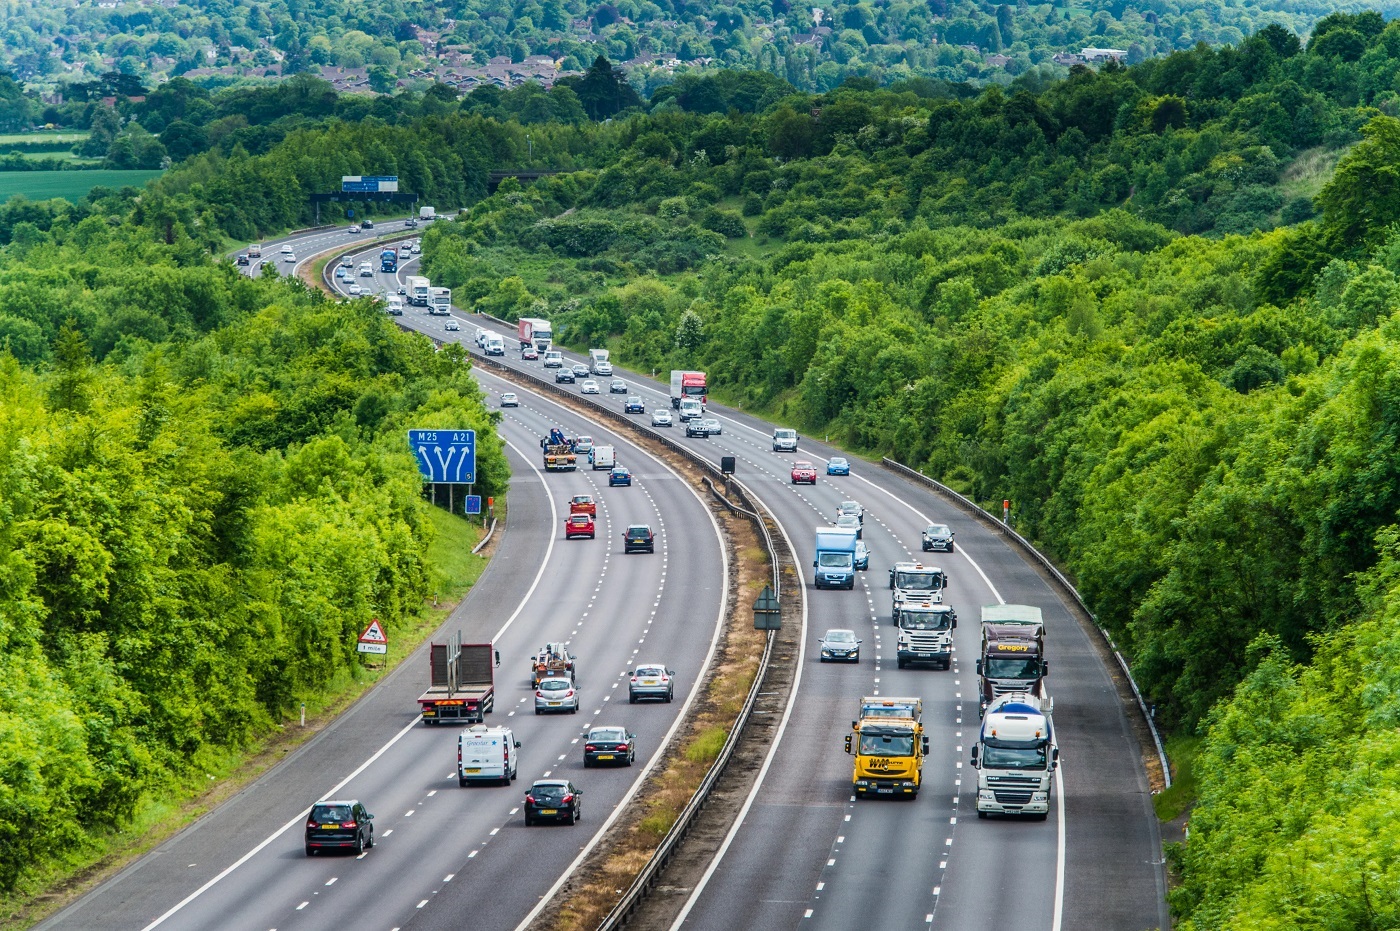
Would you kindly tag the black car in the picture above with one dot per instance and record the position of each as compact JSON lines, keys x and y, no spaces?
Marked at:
{"x":553,"y":800}
{"x":367,"y":225}
{"x":563,"y":376}
{"x":580,"y":370}
{"x":638,"y":539}
{"x":633,"y":405}
{"x":696,"y":427}
{"x":609,"y":745}
{"x":342,"y":825}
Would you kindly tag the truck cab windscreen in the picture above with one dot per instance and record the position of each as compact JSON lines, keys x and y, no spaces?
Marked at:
{"x":834,"y":561}
{"x":915,"y":620}
{"x":1012,"y":667}
{"x":1017,"y":756}
{"x":918,"y":581}
{"x":885,"y":745}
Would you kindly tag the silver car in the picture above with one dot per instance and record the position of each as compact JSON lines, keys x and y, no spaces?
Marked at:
{"x":556,"y":695}
{"x":660,"y":418}
{"x":712,"y":426}
{"x":840,"y":644}
{"x":849,"y":522}
{"x":851,"y":507}
{"x":651,"y":680}
{"x":938,"y":537}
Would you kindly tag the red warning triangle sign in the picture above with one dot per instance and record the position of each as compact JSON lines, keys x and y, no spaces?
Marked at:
{"x":374,"y":633}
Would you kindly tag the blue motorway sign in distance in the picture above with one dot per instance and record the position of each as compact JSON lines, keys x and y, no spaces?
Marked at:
{"x":445,"y":455}
{"x":473,"y":504}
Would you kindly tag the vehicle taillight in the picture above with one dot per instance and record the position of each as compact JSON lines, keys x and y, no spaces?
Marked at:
{"x":589,"y":748}
{"x":348,"y":824}
{"x":311,"y":823}
{"x":569,"y":693}
{"x":665,"y":679}
{"x":539,"y":694}
{"x":634,"y":678}
{"x":529,"y":800}
{"x":622,"y":746}
{"x":566,"y":799}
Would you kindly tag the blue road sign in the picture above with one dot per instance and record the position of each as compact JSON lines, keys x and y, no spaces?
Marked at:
{"x":445,"y":455}
{"x":473,"y":504}
{"x":349,"y":213}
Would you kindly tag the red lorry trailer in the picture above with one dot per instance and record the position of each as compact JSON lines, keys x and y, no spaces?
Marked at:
{"x":462,"y":686}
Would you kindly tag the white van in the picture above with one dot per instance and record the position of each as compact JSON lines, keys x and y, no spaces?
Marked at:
{"x":603,"y":457}
{"x":691,"y":408}
{"x":493,"y":345}
{"x":487,"y":754}
{"x":784,"y":440}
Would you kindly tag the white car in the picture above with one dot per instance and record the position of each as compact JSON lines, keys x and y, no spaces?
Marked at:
{"x":589,"y":387}
{"x":289,"y":258}
{"x":354,"y":229}
{"x":355,"y":290}
{"x":509,"y":399}
{"x":416,"y":248}
{"x":660,"y":418}
{"x":451,"y":325}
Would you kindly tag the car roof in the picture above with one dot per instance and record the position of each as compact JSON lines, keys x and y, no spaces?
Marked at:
{"x":551,"y":783}
{"x":802,"y":464}
{"x":646,"y":527}
{"x":342,"y":801}
{"x":607,"y":727}
{"x":647,"y":665}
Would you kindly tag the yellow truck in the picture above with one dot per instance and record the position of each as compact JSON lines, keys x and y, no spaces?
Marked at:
{"x":889,"y":746}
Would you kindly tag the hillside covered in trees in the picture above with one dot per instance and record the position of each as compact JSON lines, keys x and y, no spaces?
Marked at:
{"x":206,"y":495}
{"x":1153,"y":306}
{"x":66,"y":44}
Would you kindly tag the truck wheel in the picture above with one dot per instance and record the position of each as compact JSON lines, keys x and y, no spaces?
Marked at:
{"x":982,"y":815}
{"x":1042,"y":815}
{"x":902,"y":663}
{"x":461,"y":782}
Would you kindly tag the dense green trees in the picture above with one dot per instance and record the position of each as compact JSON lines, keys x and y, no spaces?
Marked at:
{"x":206,"y":495}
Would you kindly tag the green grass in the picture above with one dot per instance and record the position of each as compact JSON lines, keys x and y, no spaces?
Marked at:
{"x":1306,"y":174}
{"x":70,"y":185}
{"x":13,"y":138}
{"x":1171,"y":803}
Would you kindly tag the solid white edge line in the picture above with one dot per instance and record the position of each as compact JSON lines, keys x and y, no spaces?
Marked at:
{"x":544,"y":563}
{"x":684,"y":710}
{"x":772,"y":748}
{"x":1059,"y":913}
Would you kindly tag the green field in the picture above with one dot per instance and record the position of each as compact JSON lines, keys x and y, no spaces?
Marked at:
{"x":13,"y":138}
{"x":44,"y":185}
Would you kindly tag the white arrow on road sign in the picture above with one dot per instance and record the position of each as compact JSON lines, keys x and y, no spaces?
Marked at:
{"x":374,"y":633}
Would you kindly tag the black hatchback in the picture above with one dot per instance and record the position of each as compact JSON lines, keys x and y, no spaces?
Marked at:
{"x":638,"y":539}
{"x":343,"y":825}
{"x":553,"y":800}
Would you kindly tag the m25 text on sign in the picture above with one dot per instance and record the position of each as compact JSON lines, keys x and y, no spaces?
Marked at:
{"x":447,"y":456}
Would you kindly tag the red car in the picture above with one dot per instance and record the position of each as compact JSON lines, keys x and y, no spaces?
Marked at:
{"x":804,"y":471}
{"x":578,"y":525}
{"x":583,"y":504}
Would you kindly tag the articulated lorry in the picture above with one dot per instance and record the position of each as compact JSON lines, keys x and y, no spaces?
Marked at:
{"x":1015,"y":757}
{"x":417,"y":288}
{"x":534,"y":331}
{"x":915,"y":583}
{"x":835,"y":562}
{"x":926,"y":635}
{"x":558,"y":452}
{"x":1013,"y":655}
{"x":462,"y":685}
{"x":685,"y":384}
{"x":889,"y":746}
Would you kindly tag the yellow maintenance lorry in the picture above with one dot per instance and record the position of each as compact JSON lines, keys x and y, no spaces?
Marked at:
{"x":889,"y":745}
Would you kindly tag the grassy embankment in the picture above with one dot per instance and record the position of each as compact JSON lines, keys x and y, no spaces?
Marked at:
{"x":217,"y":775}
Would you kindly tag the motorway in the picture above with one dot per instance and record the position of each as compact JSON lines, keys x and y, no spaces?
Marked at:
{"x":805,"y":852}
{"x":443,"y":851}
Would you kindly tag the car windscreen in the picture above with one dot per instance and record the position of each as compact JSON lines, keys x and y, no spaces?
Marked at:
{"x":937,"y":530}
{"x":330,"y":813}
{"x":554,"y":684}
{"x":638,"y":533}
{"x":650,"y":671}
{"x":884,"y":745}
{"x":609,"y":734}
{"x":918,"y":581}
{"x":924,"y":620}
{"x":1001,"y":757}
{"x":549,"y":791}
{"x":834,"y":560}
{"x":840,"y":636}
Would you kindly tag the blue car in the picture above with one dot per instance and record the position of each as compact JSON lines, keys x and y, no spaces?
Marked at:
{"x":619,"y":476}
{"x":862,"y":558}
{"x":836,"y":465}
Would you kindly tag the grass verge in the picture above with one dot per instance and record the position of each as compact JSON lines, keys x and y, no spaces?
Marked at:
{"x":1172,"y":803}
{"x":218,"y":773}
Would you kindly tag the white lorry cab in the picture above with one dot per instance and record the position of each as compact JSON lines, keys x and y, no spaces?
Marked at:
{"x":487,"y":754}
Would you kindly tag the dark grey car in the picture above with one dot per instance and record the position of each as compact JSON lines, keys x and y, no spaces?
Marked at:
{"x":938,"y":537}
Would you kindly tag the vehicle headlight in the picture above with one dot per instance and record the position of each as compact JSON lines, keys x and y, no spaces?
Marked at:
{"x":1041,"y":796}
{"x":986,"y":795}
{"x":909,"y":783}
